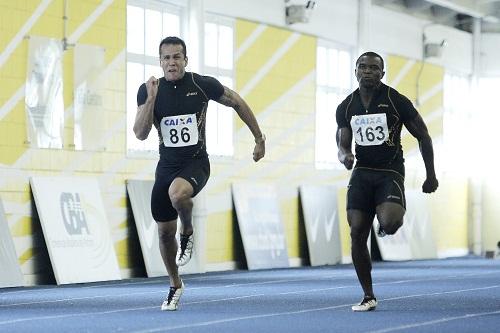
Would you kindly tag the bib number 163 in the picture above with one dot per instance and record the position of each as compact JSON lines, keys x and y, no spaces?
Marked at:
{"x":370,"y":129}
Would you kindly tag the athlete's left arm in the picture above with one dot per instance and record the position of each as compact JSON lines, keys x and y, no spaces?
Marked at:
{"x":418,"y":129}
{"x":232,"y":99}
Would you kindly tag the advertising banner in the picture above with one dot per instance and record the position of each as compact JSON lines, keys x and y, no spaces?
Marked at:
{"x":319,"y":204}
{"x":11,"y":275}
{"x":44,"y":102}
{"x":261,"y":229}
{"x":76,"y":229}
{"x":139,"y":192}
{"x":89,"y":87}
{"x":414,"y":240}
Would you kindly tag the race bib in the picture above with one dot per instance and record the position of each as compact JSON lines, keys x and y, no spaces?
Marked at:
{"x":370,"y":129}
{"x":179,"y":131}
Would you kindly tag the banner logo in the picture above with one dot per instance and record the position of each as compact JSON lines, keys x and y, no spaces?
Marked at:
{"x":73,"y":214}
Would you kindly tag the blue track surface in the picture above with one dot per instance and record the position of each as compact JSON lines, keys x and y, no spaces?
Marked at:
{"x":452,"y":295}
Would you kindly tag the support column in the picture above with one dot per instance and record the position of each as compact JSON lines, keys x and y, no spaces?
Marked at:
{"x":363,"y":42}
{"x":476,"y":180}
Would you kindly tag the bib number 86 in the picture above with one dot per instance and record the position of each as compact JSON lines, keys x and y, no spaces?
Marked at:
{"x":184,"y":135}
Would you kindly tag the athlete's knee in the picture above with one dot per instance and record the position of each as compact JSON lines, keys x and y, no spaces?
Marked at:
{"x":390,"y":226}
{"x":180,"y":199}
{"x":358,"y":233}
{"x":167,"y":231}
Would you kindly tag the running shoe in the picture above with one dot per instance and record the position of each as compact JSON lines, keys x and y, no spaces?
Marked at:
{"x":185,"y":250}
{"x":367,"y":304}
{"x":171,"y":303}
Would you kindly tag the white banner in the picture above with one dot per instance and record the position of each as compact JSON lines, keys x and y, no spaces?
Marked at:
{"x":76,"y":229}
{"x":11,"y":275}
{"x":44,"y":102}
{"x":89,"y":87}
{"x":319,"y":205}
{"x":261,"y":229}
{"x":139,"y":192}
{"x":415,"y":239}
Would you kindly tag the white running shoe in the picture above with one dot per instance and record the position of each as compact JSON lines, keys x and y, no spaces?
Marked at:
{"x":185,"y":250}
{"x":171,"y":303}
{"x":367,"y":304}
{"x":380,"y":232}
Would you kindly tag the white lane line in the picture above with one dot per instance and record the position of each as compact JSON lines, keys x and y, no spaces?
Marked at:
{"x":436,"y":321}
{"x":231,"y":285}
{"x":287,"y":313}
{"x":12,"y":321}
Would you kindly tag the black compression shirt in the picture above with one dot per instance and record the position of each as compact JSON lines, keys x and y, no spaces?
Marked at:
{"x":187,"y":96}
{"x":398,"y":110}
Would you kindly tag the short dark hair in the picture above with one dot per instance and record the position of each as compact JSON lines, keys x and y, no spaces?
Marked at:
{"x":175,"y":41}
{"x":371,"y":54}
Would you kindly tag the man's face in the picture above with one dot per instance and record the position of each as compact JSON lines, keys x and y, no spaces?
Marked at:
{"x":369,"y":71}
{"x":173,"y":61}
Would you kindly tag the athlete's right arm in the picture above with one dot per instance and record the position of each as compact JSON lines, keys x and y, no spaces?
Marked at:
{"x":144,"y":117}
{"x":344,"y":141}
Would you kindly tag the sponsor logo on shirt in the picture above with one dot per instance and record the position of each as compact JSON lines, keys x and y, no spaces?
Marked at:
{"x":383,"y":106}
{"x":194,"y":93}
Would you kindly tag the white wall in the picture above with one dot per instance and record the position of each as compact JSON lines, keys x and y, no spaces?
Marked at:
{"x":390,"y":32}
{"x":490,"y":53}
{"x":333,"y":20}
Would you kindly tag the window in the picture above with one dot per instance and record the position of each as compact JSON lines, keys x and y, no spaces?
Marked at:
{"x":333,"y":83}
{"x":219,"y":51}
{"x":148,"y":22}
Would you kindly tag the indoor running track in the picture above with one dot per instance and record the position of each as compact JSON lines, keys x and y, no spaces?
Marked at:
{"x":449,"y":295}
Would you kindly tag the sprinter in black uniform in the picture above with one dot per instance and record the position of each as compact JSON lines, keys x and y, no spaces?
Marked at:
{"x":374,"y":115}
{"x":176,"y":105}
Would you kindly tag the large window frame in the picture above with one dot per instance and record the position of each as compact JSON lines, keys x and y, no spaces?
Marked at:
{"x":334,"y":82}
{"x":219,"y":62}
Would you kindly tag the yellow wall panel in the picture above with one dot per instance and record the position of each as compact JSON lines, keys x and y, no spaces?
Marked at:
{"x":244,"y":29}
{"x":260,"y":52}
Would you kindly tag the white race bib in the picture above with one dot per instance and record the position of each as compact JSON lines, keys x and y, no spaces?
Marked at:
{"x":179,"y":131}
{"x":370,"y":129}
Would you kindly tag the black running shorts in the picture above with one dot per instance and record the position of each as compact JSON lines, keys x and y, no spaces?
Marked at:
{"x":368,"y":188}
{"x":195,"y":171}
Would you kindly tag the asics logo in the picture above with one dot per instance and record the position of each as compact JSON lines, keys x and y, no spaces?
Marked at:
{"x":194,"y":93}
{"x":383,"y":106}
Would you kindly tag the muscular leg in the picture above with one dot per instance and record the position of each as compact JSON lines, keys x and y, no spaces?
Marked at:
{"x":180,"y":192}
{"x":390,"y":216}
{"x":168,"y":250}
{"x":360,"y":223}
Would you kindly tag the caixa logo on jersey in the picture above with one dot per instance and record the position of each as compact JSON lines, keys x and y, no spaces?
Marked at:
{"x":73,"y":214}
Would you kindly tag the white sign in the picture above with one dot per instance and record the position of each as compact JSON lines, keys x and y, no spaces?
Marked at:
{"x":319,"y":205}
{"x":414,"y":240}
{"x":139,"y":192}
{"x":44,"y":101}
{"x":179,"y":131}
{"x":11,"y":275}
{"x":260,"y":225}
{"x":370,"y":129}
{"x":76,"y":229}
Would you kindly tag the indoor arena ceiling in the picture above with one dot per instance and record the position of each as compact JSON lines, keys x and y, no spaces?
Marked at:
{"x":455,"y":13}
